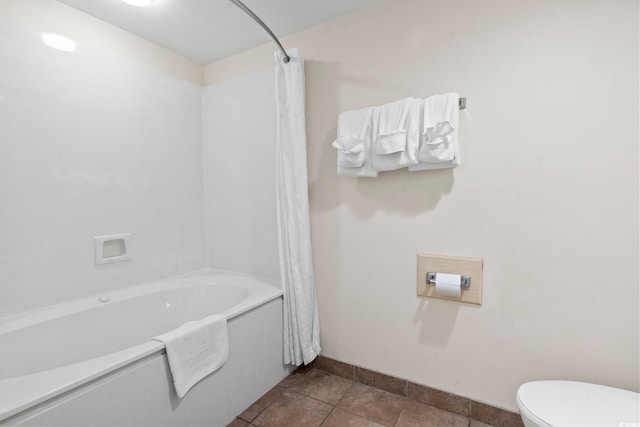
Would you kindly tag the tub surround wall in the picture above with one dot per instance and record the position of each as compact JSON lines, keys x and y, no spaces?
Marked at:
{"x":240,"y":163}
{"x":547,"y":191}
{"x":93,"y":142}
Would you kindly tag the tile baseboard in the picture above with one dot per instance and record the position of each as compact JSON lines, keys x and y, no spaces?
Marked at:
{"x":478,"y":411}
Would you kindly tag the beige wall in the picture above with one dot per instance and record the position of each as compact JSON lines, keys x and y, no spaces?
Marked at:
{"x":547,"y":193}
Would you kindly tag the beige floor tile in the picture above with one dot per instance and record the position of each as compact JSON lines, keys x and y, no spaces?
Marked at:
{"x":254,"y":410}
{"x":373,"y":404}
{"x":417,"y":414}
{"x":342,"y":418}
{"x":323,"y":386}
{"x":293,"y":409}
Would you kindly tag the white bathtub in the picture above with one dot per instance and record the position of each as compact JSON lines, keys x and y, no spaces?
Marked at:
{"x":92,"y":362}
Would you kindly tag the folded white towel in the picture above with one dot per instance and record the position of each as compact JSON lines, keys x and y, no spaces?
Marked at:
{"x":195,"y":349}
{"x":396,"y":128}
{"x":439,"y":146}
{"x":353,"y":142}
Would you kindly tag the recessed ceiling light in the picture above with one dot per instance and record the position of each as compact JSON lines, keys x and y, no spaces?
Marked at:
{"x":59,"y":42}
{"x":138,"y":3}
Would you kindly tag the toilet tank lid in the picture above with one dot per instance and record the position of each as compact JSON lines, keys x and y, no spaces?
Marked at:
{"x":571,"y":403}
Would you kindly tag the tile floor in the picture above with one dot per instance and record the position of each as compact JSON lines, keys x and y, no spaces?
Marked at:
{"x":316,"y":398}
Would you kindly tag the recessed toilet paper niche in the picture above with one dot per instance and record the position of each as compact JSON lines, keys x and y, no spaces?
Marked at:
{"x":466,"y":266}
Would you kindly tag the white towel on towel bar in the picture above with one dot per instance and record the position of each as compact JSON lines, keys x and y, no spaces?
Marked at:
{"x":396,"y":128}
{"x":439,"y":146}
{"x":353,"y":142}
{"x":195,"y":349}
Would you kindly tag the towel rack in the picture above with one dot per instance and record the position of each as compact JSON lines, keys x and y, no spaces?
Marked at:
{"x":462,"y":103}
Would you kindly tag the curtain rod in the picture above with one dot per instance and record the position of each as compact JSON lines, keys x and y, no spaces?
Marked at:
{"x":255,"y":17}
{"x":462,"y":102}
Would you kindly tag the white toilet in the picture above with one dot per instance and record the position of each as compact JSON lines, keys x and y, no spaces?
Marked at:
{"x":576,"y":404}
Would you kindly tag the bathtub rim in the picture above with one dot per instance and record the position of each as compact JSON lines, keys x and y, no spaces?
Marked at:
{"x":15,"y":321}
{"x":31,"y":390}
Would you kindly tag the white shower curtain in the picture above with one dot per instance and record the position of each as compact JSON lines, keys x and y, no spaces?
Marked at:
{"x":301,"y":326}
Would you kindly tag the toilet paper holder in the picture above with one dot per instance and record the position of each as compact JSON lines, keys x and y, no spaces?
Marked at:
{"x":465,"y":280}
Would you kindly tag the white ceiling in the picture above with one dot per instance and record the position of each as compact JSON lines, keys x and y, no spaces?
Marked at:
{"x":208,"y":30}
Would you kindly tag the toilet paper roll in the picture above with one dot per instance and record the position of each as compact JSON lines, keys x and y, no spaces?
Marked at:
{"x":449,"y":285}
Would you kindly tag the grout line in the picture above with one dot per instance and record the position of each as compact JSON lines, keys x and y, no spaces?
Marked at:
{"x":361,"y":416}
{"x":270,"y":403}
{"x":328,"y":415}
{"x":309,"y":397}
{"x":404,"y":406}
{"x":353,"y":383}
{"x":344,"y":394}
